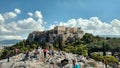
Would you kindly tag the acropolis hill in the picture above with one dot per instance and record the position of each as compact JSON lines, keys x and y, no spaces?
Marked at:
{"x":50,"y":36}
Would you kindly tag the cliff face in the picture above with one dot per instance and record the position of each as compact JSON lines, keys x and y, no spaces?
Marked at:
{"x":51,"y":36}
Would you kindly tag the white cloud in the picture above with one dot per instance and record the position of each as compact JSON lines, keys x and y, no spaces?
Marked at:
{"x":12,"y":27}
{"x":30,"y":24}
{"x":15,"y":29}
{"x":94,"y":26}
{"x":52,"y":27}
{"x":9,"y":15}
{"x":70,"y":23}
{"x":115,"y":23}
{"x":30,"y":14}
{"x":6,"y":37}
{"x":18,"y":11}
{"x":24,"y":26}
{"x":38,"y":14}
{"x":3,"y":29}
{"x":1,"y":18}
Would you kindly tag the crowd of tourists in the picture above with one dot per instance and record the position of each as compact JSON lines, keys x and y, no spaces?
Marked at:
{"x":44,"y":55}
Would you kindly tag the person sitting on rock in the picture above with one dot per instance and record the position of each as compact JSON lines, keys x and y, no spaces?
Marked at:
{"x":75,"y":65}
{"x":53,"y":53}
{"x":36,"y":54}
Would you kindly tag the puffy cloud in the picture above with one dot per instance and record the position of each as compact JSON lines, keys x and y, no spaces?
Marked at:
{"x":1,"y":18}
{"x":15,"y":29}
{"x":9,"y":15}
{"x":94,"y":26}
{"x":30,"y":14}
{"x":18,"y":11}
{"x":22,"y":26}
{"x":115,"y":23}
{"x":30,"y":24}
{"x":70,"y":23}
{"x":3,"y":29}
{"x":52,"y":27}
{"x":38,"y":14}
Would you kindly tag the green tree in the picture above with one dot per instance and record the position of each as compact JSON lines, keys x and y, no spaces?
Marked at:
{"x":104,"y":48}
{"x":34,"y":46}
{"x":82,"y":50}
{"x":88,"y":38}
{"x":60,"y":42}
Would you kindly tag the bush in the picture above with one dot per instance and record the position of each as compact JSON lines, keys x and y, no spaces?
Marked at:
{"x":97,"y":57}
{"x":110,"y":60}
{"x":82,"y":50}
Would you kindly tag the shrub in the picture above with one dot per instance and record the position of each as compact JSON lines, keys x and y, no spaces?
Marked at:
{"x":110,"y":60}
{"x":82,"y":50}
{"x":97,"y":57}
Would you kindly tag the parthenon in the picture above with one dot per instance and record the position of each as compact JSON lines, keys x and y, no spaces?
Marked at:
{"x":53,"y":34}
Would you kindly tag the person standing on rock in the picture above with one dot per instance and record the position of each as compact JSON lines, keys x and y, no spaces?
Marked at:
{"x":75,"y":65}
{"x":59,"y":51}
{"x":31,"y":56}
{"x":8,"y":57}
{"x":16,"y":51}
{"x":27,"y":55}
{"x":44,"y":51}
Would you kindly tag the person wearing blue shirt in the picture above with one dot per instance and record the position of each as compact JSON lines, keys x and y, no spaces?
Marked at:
{"x":75,"y":65}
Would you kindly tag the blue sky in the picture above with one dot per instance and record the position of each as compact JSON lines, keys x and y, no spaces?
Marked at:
{"x":62,"y":10}
{"x":73,"y":13}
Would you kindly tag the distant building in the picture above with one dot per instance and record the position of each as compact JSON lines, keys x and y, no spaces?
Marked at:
{"x":52,"y":35}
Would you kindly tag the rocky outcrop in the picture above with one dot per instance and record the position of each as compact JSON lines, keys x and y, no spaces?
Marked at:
{"x":51,"y":36}
{"x":65,"y":58}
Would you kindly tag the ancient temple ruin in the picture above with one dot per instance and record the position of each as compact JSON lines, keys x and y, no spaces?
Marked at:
{"x":53,"y":34}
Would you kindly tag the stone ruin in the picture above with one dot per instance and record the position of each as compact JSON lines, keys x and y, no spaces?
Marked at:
{"x":50,"y":36}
